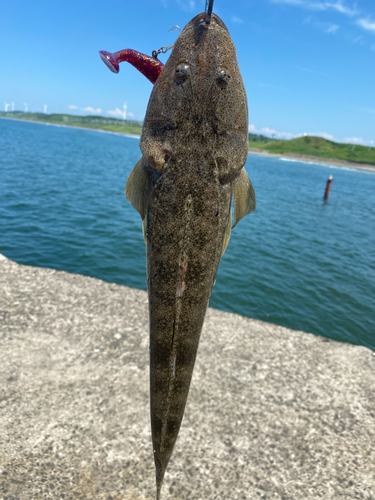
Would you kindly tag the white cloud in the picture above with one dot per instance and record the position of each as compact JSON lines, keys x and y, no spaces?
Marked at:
{"x":344,"y":10}
{"x":320,"y":6}
{"x":329,"y":137}
{"x":332,"y":29}
{"x":284,"y":135}
{"x":359,"y":140}
{"x":116,"y":112}
{"x":269,"y":131}
{"x":287,"y":135}
{"x":237,"y":20}
{"x":366,"y":24}
{"x":324,"y":135}
{"x":89,"y":109}
{"x":354,"y":140}
{"x":326,"y":27}
{"x":131,"y":115}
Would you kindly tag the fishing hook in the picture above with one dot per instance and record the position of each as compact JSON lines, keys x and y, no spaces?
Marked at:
{"x":163,"y":50}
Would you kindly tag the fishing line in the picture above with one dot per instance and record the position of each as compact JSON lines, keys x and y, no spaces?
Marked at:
{"x":209,"y":6}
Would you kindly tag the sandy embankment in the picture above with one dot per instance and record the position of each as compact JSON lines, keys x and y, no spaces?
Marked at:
{"x":315,"y":159}
{"x":272,"y":413}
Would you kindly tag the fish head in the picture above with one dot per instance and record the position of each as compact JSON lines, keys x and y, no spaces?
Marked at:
{"x":198,"y":105}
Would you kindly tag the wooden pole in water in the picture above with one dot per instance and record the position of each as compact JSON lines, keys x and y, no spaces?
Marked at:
{"x":328,"y":187}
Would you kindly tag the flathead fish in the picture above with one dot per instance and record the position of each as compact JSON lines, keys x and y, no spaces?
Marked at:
{"x":194,"y":144}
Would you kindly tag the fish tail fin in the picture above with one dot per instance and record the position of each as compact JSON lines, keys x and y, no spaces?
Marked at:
{"x":159,"y":482}
{"x":158,"y":491}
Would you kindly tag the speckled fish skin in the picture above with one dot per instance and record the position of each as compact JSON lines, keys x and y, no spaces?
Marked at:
{"x":194,"y":145}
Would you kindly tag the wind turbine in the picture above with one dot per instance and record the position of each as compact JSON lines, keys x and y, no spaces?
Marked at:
{"x":125,"y":108}
{"x":26,"y":107}
{"x":6,"y":105}
{"x":45,"y":108}
{"x":355,"y":141}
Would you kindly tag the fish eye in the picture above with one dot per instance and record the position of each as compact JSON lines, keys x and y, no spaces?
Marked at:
{"x":222,"y":77}
{"x":182,"y":72}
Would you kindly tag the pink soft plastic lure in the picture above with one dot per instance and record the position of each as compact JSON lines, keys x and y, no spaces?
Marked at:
{"x":149,"y":66}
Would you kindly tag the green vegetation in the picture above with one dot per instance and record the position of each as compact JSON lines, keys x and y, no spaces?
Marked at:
{"x":259,"y":138}
{"x":92,"y":122}
{"x":306,"y":145}
{"x":317,"y":146}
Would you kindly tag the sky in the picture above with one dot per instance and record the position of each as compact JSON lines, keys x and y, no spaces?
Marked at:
{"x":308,"y":65}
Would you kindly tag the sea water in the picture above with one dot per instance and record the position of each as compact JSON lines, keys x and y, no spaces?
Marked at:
{"x":296,"y":261}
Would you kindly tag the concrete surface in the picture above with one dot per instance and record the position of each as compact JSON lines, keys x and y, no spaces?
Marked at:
{"x":272,"y":413}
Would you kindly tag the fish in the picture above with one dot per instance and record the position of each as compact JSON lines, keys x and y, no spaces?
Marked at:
{"x":194,"y":145}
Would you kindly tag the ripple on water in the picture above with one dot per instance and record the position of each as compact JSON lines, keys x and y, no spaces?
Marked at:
{"x":296,"y":261}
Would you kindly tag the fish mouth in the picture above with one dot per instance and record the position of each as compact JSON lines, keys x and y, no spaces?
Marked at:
{"x":201,"y":19}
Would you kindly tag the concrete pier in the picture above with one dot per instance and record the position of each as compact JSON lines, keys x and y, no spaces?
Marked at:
{"x":272,"y":413}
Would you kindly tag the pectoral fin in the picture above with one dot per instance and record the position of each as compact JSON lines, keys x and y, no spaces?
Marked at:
{"x":244,"y":196}
{"x":227,"y":233}
{"x":144,"y":228}
{"x":136,"y":190}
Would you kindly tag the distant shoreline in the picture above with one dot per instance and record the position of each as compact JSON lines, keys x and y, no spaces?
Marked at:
{"x":252,"y":151}
{"x":314,"y":159}
{"x":126,"y":134}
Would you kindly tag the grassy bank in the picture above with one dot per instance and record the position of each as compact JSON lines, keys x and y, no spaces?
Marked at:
{"x":305,"y":146}
{"x":316,"y":146}
{"x":91,"y":122}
